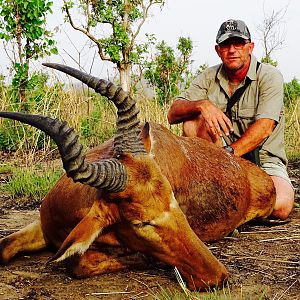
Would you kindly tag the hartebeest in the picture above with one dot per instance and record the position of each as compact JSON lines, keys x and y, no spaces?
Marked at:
{"x":127,"y":195}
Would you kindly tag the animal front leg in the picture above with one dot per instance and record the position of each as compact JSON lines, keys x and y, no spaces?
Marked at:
{"x":100,"y":216}
{"x":30,"y":238}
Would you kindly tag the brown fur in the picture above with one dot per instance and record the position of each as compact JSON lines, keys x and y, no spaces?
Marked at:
{"x":216,"y":192}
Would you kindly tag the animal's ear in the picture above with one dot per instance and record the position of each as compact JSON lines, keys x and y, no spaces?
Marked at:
{"x":87,"y":230}
{"x":146,"y":136}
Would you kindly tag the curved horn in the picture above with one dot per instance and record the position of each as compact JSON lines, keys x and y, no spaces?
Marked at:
{"x":108,"y":174}
{"x":128,"y":133}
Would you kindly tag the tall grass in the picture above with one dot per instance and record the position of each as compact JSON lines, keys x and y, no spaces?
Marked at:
{"x":93,"y":117}
{"x":27,"y":186}
{"x":292,"y":131}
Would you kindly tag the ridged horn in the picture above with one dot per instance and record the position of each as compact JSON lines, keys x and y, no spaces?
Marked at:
{"x":108,"y":174}
{"x":128,"y":133}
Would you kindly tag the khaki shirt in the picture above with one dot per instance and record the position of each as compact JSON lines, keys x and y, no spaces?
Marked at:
{"x":263,"y":98}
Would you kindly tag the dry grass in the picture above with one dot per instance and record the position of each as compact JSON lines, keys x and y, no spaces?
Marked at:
{"x":94,"y":118}
{"x":152,"y":111}
{"x":292,"y":131}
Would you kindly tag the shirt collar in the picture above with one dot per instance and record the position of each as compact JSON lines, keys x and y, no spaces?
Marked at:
{"x":252,"y":68}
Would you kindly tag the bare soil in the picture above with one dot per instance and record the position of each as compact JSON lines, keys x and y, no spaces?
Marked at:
{"x":263,"y":259}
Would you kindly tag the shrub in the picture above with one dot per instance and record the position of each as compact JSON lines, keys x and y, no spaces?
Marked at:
{"x":30,"y":183}
{"x":291,"y":92}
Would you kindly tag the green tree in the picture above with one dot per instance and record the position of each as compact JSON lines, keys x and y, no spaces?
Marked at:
{"x":291,"y":92}
{"x":169,"y":72}
{"x":120,"y":22}
{"x":22,"y":24}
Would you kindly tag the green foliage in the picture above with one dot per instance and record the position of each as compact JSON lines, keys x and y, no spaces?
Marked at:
{"x":31,"y":183}
{"x":292,"y":113}
{"x":27,"y":18}
{"x":201,"y":69}
{"x":169,"y":72}
{"x":15,"y":135}
{"x":8,"y":136}
{"x":22,"y":22}
{"x":120,"y":22}
{"x":36,"y":89}
{"x":90,"y":114}
{"x":268,"y":60}
{"x":21,"y":74}
{"x":121,"y":19}
{"x":41,"y":100}
{"x":291,"y":92}
{"x":102,"y":110}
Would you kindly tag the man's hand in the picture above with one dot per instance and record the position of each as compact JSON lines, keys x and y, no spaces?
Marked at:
{"x":216,"y":121}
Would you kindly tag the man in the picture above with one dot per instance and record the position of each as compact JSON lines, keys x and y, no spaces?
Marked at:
{"x":254,"y":123}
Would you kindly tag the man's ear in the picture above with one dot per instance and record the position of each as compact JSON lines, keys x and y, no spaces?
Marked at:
{"x":251,"y":47}
{"x":146,"y":137}
{"x":217,"y":50}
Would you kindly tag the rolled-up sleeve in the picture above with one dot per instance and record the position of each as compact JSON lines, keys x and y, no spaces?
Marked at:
{"x":270,"y":103}
{"x":198,"y":88}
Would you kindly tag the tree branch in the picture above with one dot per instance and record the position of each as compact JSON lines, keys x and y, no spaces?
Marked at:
{"x":272,"y":35}
{"x":87,"y":33}
{"x":145,"y":15}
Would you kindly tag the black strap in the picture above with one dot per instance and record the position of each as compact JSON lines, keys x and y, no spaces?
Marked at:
{"x":237,"y":95}
{"x":253,"y":155}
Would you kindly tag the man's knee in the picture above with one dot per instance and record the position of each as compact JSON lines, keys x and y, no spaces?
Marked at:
{"x":284,"y":198}
{"x":190,"y":128}
{"x":282,"y":213}
{"x":197,"y":128}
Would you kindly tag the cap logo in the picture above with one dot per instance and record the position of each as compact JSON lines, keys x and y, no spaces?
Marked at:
{"x":231,"y":26}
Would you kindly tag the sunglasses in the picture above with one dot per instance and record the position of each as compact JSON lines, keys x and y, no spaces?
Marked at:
{"x":237,"y":44}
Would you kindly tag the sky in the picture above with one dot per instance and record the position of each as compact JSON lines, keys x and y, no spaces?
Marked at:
{"x":199,"y":20}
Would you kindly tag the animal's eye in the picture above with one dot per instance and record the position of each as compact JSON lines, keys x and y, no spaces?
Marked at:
{"x":139,"y":223}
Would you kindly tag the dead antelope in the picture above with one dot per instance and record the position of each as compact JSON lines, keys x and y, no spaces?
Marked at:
{"x":125,"y":194}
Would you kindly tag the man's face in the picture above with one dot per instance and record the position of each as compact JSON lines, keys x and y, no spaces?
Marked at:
{"x":235,"y":53}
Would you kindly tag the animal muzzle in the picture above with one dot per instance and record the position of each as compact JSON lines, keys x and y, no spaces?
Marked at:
{"x":195,"y":262}
{"x":170,"y":239}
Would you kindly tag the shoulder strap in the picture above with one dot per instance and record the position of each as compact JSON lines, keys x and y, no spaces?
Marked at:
{"x":237,"y":94}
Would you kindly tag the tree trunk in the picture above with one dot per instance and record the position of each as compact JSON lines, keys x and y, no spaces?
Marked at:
{"x":125,"y":67}
{"x":22,"y":83}
{"x":125,"y":76}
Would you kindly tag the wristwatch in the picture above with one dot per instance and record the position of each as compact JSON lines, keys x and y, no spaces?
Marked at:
{"x":229,"y":149}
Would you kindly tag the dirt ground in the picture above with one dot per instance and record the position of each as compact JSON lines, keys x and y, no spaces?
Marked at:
{"x":261,"y":259}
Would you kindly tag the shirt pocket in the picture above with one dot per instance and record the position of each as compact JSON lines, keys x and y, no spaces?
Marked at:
{"x":247,"y":113}
{"x":218,"y":99}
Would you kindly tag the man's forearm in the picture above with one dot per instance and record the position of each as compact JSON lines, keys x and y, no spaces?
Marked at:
{"x":216,"y":121}
{"x":253,"y":136}
{"x":183,"y":110}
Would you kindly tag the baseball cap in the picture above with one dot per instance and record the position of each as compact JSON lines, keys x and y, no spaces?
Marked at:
{"x":233,"y":28}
